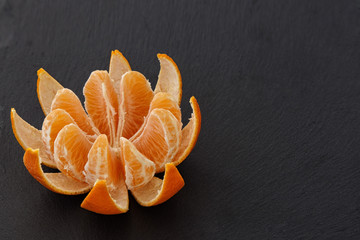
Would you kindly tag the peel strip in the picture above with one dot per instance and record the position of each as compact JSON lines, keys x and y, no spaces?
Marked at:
{"x":56,"y":182}
{"x":190,"y":133}
{"x":158,"y":191}
{"x":29,"y":137}
{"x":47,"y":88}
{"x":104,"y":201}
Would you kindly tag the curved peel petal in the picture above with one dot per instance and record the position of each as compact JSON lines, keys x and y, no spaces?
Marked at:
{"x":169,"y":79}
{"x":190,"y":133}
{"x":56,"y":182}
{"x":105,"y":199}
{"x":47,"y":87}
{"x":158,"y":191}
{"x":118,"y":67}
{"x":29,"y":137}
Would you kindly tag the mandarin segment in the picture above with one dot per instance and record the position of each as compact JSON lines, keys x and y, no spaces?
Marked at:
{"x":52,"y":125}
{"x":136,"y":98}
{"x":66,"y":100}
{"x":160,"y":138}
{"x":164,"y":101}
{"x":71,"y":150}
{"x":101,"y":103}
{"x":98,"y":160}
{"x":138,"y":169}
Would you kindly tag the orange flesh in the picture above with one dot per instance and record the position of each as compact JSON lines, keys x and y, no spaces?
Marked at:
{"x":136,"y":96}
{"x":52,"y":125}
{"x":67,"y":100}
{"x":101,"y":103}
{"x":98,"y":158}
{"x":164,"y":101}
{"x":138,"y":169}
{"x":160,"y":138}
{"x":71,"y":151}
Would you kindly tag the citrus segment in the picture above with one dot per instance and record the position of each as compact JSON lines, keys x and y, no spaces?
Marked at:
{"x":136,"y":95}
{"x":158,"y":191}
{"x":52,"y":125}
{"x":190,"y":133}
{"x":56,"y":182}
{"x":47,"y":87}
{"x":160,"y":138}
{"x":106,"y":200}
{"x":161,"y":100}
{"x":71,"y":149}
{"x":165,"y":101}
{"x":101,"y":103}
{"x":138,"y":169}
{"x":98,"y":160}
{"x":169,"y":79}
{"x":67,"y":100}
{"x":118,"y":66}
{"x":29,"y":137}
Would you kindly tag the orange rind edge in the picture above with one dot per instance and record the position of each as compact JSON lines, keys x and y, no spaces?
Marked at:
{"x":195,"y":133}
{"x":99,"y":200}
{"x":14,"y":115}
{"x":165,"y":56}
{"x":32,"y":163}
{"x":39,"y":73}
{"x":13,"y":125}
{"x":117,"y":52}
{"x":171,"y":184}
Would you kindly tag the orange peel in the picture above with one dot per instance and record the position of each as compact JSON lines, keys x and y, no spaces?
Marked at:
{"x":29,"y":137}
{"x":47,"y":88}
{"x":169,"y":79}
{"x":104,"y":201}
{"x":190,"y":133}
{"x":56,"y":182}
{"x":158,"y":191}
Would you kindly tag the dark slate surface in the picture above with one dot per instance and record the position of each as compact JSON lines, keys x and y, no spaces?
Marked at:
{"x":278,"y":83}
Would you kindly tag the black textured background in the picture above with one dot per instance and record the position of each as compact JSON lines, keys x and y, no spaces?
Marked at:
{"x":278,"y":83}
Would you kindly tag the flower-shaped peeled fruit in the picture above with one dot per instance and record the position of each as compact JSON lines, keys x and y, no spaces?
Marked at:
{"x":127,"y":134}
